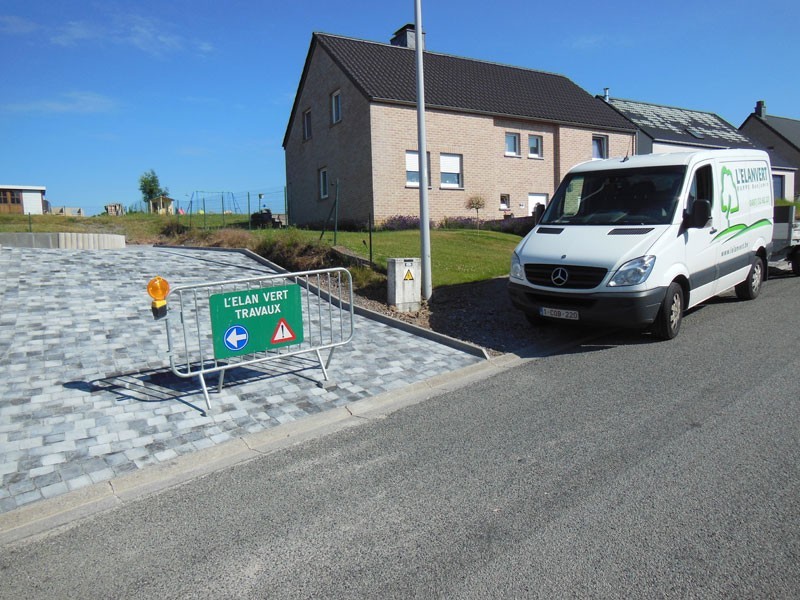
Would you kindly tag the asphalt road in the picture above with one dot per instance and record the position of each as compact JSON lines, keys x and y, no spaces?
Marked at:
{"x":623,"y":468}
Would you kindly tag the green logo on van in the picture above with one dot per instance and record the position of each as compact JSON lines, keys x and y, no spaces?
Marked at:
{"x":729,"y":196}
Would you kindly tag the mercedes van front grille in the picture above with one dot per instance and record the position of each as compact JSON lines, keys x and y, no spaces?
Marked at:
{"x":564,"y":276}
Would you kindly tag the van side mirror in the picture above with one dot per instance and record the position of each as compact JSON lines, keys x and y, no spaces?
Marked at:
{"x":538,"y":212}
{"x":699,"y":216}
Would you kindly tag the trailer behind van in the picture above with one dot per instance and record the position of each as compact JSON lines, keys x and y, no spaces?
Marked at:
{"x":637,"y":241}
{"x":786,"y":238}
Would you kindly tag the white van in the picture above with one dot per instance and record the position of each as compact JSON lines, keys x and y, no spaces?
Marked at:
{"x":636,"y":241}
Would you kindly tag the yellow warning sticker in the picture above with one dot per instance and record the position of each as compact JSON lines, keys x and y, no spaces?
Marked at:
{"x":409,"y":276}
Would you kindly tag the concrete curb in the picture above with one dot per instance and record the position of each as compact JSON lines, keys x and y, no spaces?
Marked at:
{"x":68,"y":241}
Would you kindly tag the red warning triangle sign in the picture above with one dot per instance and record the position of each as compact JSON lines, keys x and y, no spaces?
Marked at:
{"x":283,"y":333}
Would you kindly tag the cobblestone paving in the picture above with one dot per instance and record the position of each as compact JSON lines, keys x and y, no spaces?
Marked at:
{"x":86,"y":393}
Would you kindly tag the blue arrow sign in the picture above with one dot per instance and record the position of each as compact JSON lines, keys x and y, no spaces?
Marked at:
{"x":235,"y":337}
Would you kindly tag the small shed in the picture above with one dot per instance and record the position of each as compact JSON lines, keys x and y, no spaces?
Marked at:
{"x":161,"y":205}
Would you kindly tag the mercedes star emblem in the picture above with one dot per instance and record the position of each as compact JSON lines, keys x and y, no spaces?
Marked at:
{"x":559,"y":276}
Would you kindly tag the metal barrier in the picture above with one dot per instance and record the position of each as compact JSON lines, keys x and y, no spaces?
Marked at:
{"x":213,"y":327}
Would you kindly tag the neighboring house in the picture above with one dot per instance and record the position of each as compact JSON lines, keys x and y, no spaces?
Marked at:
{"x":777,"y":133}
{"x":669,"y":129}
{"x":22,"y":199}
{"x":505,"y":133}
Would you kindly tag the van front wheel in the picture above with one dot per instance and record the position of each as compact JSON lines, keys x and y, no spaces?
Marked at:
{"x":668,"y":322}
{"x":751,"y":287}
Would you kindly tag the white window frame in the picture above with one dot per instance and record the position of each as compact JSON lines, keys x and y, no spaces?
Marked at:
{"x":539,"y":154}
{"x":336,"y":107}
{"x":603,"y":139}
{"x":323,"y":183}
{"x":515,"y":137}
{"x":307,"y":124}
{"x":448,"y":163}
{"x":412,"y":160}
{"x":507,"y":204}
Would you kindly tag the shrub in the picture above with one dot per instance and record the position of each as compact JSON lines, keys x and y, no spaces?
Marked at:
{"x":369,"y":283}
{"x":401,"y":223}
{"x":476,"y":203}
{"x":457,"y":223}
{"x":233,"y":238}
{"x":518,"y":226}
{"x":173,"y":229}
{"x":294,"y":252}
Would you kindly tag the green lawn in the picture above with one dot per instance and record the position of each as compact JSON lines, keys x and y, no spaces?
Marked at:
{"x":457,"y":255}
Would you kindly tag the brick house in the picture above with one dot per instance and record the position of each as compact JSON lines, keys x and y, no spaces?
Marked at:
{"x":780,"y":134}
{"x":670,"y":129}
{"x":505,"y":133}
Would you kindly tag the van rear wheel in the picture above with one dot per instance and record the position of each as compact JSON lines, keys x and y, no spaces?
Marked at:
{"x":751,"y":287}
{"x":668,"y":321}
{"x":795,"y":260}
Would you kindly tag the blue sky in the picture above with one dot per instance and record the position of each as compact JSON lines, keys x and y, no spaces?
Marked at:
{"x":98,"y":92}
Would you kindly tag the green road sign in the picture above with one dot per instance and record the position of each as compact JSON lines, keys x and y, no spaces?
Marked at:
{"x":256,"y":320}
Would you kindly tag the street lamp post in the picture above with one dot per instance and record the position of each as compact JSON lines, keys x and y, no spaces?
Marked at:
{"x":424,"y":218}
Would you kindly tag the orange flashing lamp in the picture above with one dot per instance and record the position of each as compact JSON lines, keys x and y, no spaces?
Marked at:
{"x":158,"y":289}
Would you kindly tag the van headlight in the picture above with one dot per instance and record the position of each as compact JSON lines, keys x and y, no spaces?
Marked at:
{"x":517,"y":272}
{"x":633,"y":272}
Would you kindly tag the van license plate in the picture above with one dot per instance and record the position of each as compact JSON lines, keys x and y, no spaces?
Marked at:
{"x":557,"y":313}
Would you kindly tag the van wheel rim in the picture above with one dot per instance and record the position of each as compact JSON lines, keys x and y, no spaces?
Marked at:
{"x":756,"y":277}
{"x":675,"y":311}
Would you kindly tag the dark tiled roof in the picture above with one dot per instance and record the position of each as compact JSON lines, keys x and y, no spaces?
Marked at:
{"x":788,"y":128}
{"x":680,"y":125}
{"x":388,"y":73}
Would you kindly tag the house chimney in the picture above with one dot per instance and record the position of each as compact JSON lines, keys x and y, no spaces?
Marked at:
{"x":761,"y":109}
{"x":606,"y":97}
{"x":406,"y":37}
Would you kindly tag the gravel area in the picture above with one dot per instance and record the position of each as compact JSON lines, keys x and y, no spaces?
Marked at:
{"x":480,"y":313}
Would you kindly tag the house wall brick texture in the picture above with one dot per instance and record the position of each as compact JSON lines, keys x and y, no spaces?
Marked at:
{"x":343,"y":148}
{"x":486,"y":170}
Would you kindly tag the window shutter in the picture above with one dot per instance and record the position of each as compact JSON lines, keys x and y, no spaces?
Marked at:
{"x":450,"y":163}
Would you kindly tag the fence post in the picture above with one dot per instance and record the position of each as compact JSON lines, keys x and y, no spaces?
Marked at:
{"x":336,"y":215}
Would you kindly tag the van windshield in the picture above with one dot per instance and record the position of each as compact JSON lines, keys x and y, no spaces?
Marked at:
{"x":622,"y":197}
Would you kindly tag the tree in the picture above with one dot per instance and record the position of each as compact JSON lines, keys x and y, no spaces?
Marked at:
{"x":476,"y":203}
{"x":150,"y":186}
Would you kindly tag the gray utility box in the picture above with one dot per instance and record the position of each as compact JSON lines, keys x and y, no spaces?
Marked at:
{"x":405,"y":287}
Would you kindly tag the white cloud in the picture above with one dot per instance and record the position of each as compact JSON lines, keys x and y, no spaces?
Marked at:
{"x":70,"y":102}
{"x":11,"y":25}
{"x":74,"y":32}
{"x":147,"y":34}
